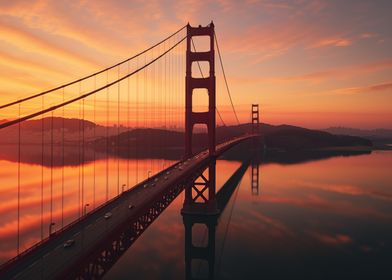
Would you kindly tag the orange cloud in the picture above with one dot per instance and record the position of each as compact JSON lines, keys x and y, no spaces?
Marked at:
{"x":359,"y":90}
{"x":27,"y":41}
{"x":368,"y":35}
{"x":332,"y":42}
{"x":335,"y":73}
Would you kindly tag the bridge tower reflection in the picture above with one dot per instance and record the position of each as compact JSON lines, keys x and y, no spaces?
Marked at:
{"x":198,"y":209}
{"x":256,"y":150}
{"x":198,"y":251}
{"x":201,"y":210}
{"x":255,"y":176}
{"x":209,"y":219}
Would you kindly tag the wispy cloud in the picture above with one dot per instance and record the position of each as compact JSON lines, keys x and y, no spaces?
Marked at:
{"x":341,"y":73}
{"x":334,"y":42}
{"x":359,"y":90}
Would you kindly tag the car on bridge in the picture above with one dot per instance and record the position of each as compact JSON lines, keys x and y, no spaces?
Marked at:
{"x":107,"y":215}
{"x":69,"y":243}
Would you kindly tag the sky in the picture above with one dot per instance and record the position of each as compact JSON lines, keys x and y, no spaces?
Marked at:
{"x":309,"y":63}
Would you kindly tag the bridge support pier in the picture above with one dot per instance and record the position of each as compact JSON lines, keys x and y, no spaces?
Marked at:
{"x":200,"y":193}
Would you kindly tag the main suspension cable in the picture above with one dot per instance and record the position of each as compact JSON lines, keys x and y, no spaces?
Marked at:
{"x":91,"y":75}
{"x":224,"y":76}
{"x":54,"y":107}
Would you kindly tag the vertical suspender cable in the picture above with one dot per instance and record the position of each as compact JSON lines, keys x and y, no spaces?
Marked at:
{"x":118,"y":131}
{"x":51,"y":169}
{"x":149,"y":91}
{"x":18,"y":224}
{"x":95,"y":140}
{"x":152,"y":110}
{"x":137,"y":120}
{"x":107,"y":137}
{"x":170,"y":89}
{"x":145,"y":104}
{"x":164,"y":95}
{"x":62,"y":168}
{"x":149,"y":115}
{"x":42,"y":172}
{"x":79,"y":155}
{"x":83,"y":160}
{"x":128,"y":126}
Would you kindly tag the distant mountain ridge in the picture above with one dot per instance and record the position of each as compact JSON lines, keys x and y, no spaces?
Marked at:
{"x":281,"y":137}
{"x":31,"y":130}
{"x":379,"y":133}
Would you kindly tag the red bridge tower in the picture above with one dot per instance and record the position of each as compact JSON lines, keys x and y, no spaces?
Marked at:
{"x":200,"y":194}
{"x":208,"y":83}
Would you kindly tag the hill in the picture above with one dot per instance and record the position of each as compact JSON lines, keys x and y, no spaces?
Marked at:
{"x":283,"y":138}
{"x":381,"y":138}
{"x":31,"y":131}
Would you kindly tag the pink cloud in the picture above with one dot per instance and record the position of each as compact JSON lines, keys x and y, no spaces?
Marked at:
{"x":368,"y":35}
{"x":332,"y":42}
{"x":359,"y":90}
{"x":340,"y":73}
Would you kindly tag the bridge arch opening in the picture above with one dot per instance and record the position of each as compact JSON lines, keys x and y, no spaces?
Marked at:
{"x":200,"y":269}
{"x":200,"y":69}
{"x":198,"y":229}
{"x":200,"y":100}
{"x":201,"y":43}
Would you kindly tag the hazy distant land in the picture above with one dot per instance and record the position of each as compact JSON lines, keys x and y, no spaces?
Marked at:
{"x":283,"y":143}
{"x":381,"y":138}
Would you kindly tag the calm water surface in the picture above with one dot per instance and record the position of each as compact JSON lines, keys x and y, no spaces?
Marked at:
{"x":59,"y":195}
{"x":326,"y":219}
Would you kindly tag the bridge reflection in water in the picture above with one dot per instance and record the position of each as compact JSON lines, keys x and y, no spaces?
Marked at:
{"x":206,"y":253}
{"x":100,"y":262}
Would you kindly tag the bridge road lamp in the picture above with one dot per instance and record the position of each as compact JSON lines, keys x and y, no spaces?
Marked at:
{"x":85,"y":208}
{"x":122,"y":187}
{"x":148,"y":174}
{"x":50,"y":228}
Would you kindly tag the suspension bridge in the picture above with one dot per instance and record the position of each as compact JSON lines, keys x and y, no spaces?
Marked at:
{"x":142,"y":93}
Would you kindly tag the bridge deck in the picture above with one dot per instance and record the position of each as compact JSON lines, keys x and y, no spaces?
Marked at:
{"x":50,"y":259}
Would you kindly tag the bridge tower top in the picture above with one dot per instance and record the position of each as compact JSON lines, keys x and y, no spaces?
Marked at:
{"x":208,"y":83}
